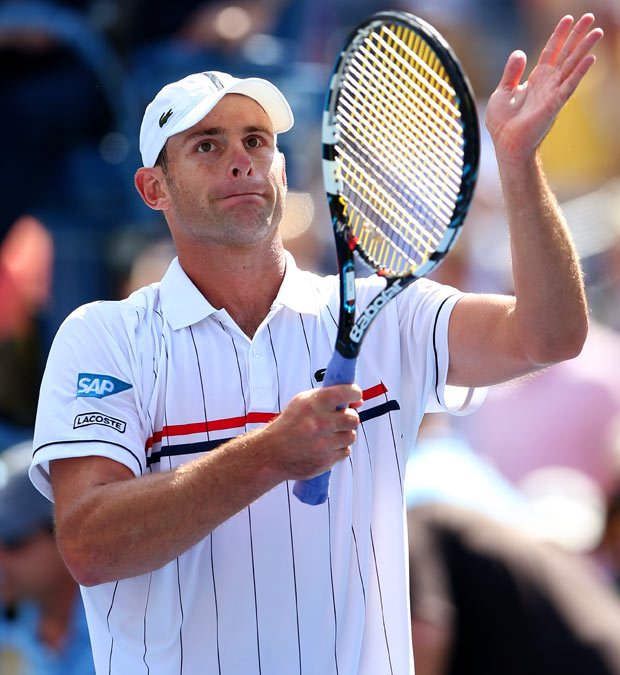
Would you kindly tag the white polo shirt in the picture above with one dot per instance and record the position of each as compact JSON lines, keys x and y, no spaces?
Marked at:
{"x":282,"y":587}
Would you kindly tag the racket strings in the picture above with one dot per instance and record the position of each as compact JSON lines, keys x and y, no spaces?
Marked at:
{"x":431,"y":114}
{"x":396,"y":126}
{"x":399,"y":107}
{"x":385,"y":102}
{"x":362,"y":177}
{"x":428,"y":67}
{"x":418,"y":60}
{"x":389,"y":209}
{"x":423,"y":63}
{"x":393,"y":84}
{"x":387,"y":169}
{"x":386,"y":91}
{"x":400,"y":178}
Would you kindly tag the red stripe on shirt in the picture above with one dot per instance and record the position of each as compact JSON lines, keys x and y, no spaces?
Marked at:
{"x":235,"y":422}
{"x":375,"y":391}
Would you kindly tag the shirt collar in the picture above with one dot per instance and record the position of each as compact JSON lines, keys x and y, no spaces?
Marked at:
{"x":297,"y":291}
{"x":184,"y":305}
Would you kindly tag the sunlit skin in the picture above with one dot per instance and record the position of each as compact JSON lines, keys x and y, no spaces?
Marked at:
{"x":230,"y":247}
{"x":223,"y":194}
{"x":225,"y":177}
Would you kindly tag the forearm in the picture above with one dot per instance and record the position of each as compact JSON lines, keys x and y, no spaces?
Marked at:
{"x":493,"y":339}
{"x":128,"y":527}
{"x":111,"y":525}
{"x":550,"y":313}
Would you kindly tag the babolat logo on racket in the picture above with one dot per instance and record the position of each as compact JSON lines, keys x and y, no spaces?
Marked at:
{"x":98,"y":386}
{"x":358,"y":330}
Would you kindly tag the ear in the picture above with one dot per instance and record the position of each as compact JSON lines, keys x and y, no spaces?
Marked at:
{"x":151,"y":184}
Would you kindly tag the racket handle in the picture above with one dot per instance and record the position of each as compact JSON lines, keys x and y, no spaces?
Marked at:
{"x":315,"y":490}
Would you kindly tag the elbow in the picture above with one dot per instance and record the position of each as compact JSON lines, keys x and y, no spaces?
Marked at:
{"x":81,"y":563}
{"x":577,"y":342}
{"x":87,"y":577}
{"x":561,"y":347}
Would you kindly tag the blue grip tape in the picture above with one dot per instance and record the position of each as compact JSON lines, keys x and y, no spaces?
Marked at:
{"x":315,"y":490}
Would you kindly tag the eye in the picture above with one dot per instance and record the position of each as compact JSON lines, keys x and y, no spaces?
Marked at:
{"x":254,"y":142}
{"x":206,"y":146}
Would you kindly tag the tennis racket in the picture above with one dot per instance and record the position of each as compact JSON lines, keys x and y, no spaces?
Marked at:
{"x":400,"y":160}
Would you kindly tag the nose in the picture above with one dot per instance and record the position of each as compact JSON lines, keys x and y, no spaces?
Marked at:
{"x":240,"y":163}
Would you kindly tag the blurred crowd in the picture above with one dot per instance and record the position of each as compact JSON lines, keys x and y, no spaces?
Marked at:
{"x":540,"y":460}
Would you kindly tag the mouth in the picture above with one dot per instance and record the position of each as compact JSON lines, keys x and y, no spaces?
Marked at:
{"x":240,"y":197}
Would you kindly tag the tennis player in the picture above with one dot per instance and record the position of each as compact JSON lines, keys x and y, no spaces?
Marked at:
{"x":172,"y":424}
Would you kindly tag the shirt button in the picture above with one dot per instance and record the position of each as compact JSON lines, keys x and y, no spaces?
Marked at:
{"x":257,"y":353}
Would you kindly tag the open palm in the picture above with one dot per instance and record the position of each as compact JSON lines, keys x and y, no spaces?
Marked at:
{"x":519,"y":115}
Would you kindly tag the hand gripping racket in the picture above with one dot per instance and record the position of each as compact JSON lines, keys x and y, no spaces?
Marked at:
{"x":400,"y":159}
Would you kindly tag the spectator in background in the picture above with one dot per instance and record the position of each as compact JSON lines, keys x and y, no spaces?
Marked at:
{"x":51,"y":102}
{"x":488,"y":600}
{"x":607,"y":554}
{"x":562,"y":417}
{"x":42,"y":624}
{"x":67,"y":107}
{"x":26,"y":257}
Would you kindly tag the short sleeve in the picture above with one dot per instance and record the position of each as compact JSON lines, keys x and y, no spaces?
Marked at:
{"x":89,"y":402}
{"x":424,"y":317}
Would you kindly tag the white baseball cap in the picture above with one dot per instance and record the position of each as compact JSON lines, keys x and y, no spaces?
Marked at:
{"x":180,"y":105}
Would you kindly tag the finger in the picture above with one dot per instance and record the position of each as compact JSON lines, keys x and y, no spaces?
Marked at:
{"x":338,"y":395}
{"x":571,"y":83}
{"x":580,"y":52}
{"x":345,"y":420}
{"x":575,"y":38}
{"x":343,"y":440}
{"x":513,"y":71}
{"x":556,"y":41}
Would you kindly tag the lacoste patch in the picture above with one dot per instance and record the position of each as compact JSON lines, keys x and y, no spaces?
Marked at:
{"x":98,"y":386}
{"x":86,"y":419}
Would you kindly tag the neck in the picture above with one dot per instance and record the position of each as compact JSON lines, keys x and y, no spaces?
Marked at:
{"x":245,"y":282}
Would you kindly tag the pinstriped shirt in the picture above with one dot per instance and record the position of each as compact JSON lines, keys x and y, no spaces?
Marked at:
{"x":281,"y":588}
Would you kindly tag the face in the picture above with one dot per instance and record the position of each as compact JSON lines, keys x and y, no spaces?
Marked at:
{"x":224,"y":182}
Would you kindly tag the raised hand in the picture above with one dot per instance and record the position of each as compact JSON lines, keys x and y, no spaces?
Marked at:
{"x":519,"y":115}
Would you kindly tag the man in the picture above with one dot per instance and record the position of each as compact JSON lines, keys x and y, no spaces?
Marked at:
{"x":42,"y":624}
{"x":171,"y":425}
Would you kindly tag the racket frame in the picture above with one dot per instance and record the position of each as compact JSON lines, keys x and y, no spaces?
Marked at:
{"x":352,"y":330}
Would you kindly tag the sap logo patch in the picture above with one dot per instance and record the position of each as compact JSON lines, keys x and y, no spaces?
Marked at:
{"x":98,"y":386}
{"x":89,"y":418}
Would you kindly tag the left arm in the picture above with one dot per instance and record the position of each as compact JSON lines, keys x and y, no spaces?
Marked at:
{"x":496,"y":338}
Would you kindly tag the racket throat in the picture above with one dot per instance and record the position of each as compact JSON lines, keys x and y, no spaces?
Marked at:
{"x":359,"y":328}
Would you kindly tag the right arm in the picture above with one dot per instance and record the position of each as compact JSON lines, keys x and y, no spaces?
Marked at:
{"x":111,"y":525}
